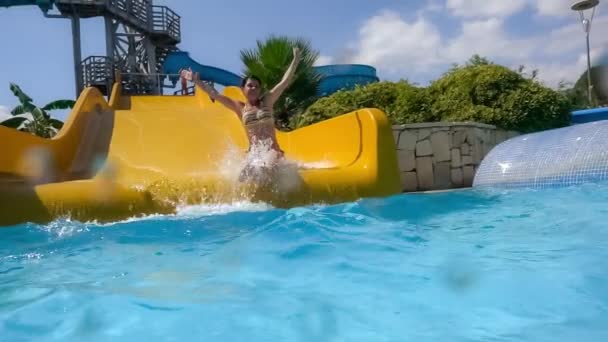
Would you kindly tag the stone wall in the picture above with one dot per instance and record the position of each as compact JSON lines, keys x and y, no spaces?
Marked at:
{"x":440,"y":155}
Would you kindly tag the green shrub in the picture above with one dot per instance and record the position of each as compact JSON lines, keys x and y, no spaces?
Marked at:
{"x":493,"y":94}
{"x":398,"y":100}
{"x":478,"y":91}
{"x":462,"y":88}
{"x":533,"y":107}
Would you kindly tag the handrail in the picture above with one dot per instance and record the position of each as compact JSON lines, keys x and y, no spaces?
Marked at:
{"x":164,"y":20}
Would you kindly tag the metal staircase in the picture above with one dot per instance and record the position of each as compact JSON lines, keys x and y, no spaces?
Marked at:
{"x":139,"y":35}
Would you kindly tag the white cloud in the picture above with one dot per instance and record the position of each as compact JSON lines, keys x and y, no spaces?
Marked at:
{"x":397,"y":45}
{"x":487,"y":38}
{"x":571,"y":37}
{"x":4,"y":113}
{"x":555,"y":8}
{"x":552,"y":73}
{"x":506,"y":8}
{"x":485,"y":8}
{"x":432,"y":6}
{"x":323,"y":60}
{"x":402,"y":48}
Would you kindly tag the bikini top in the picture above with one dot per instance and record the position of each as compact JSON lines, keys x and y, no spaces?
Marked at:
{"x":255,"y":116}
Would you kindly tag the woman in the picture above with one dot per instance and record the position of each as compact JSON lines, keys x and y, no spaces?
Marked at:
{"x":257,"y":116}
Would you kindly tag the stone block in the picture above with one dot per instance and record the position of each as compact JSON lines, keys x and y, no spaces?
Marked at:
{"x":480,"y":134}
{"x":442,"y":128}
{"x":423,"y":134}
{"x":441,"y":146}
{"x":465,"y":149}
{"x":512,"y":134}
{"x":500,"y":136}
{"x":477,"y":153}
{"x":456,"y":177}
{"x":424,"y":173}
{"x":456,"y":159}
{"x":396,"y":134}
{"x":458,"y":137}
{"x":467,"y":160}
{"x":409,"y":181}
{"x":407,"y":140}
{"x":469,"y":136}
{"x":424,"y":148}
{"x":491,"y":137}
{"x":468,"y":173}
{"x":486,"y":147}
{"x":441,"y":173}
{"x":407,"y":160}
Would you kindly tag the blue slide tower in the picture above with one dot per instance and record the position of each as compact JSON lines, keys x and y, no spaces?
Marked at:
{"x":334,"y":77}
{"x":154,"y":31}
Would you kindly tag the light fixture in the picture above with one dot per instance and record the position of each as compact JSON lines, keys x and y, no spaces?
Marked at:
{"x":581,"y":7}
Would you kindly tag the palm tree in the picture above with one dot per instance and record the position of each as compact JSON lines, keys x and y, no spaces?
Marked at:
{"x":28,"y":117}
{"x":269,"y":61}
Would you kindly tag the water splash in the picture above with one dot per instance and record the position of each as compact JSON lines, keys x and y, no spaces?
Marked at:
{"x":261,"y":165}
{"x":197,"y":211}
{"x":322,"y":164}
{"x":232,"y":163}
{"x":65,"y":227}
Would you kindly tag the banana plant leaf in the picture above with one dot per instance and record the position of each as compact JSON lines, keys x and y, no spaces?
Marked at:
{"x":23,"y":97}
{"x":59,"y":104}
{"x":40,"y":114}
{"x":57,"y":124}
{"x":14,"y":122}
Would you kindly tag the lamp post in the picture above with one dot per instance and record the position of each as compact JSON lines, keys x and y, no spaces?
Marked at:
{"x":581,"y":7}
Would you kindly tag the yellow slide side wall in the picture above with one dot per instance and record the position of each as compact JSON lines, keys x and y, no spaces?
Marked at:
{"x":64,"y":156}
{"x":160,"y":150}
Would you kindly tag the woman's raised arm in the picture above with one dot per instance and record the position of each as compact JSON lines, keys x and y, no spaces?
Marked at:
{"x":213,"y":94}
{"x":278,"y":90}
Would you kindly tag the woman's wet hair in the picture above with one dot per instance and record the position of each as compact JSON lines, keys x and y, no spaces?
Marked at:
{"x":251,"y":77}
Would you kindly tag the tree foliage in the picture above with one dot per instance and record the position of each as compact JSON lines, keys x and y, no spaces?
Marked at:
{"x":28,"y":117}
{"x":578,"y":93}
{"x":270,"y":59}
{"x":479,"y":91}
{"x":401,"y":101}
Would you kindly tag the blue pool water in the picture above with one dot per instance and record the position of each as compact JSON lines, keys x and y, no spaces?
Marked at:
{"x":517,"y":265}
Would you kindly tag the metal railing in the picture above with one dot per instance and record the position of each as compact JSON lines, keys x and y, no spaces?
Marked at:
{"x":164,"y":20}
{"x":185,"y":91}
{"x":99,"y":71}
{"x":81,"y":2}
{"x":152,"y":84}
{"x":96,"y":70}
{"x":137,"y":9}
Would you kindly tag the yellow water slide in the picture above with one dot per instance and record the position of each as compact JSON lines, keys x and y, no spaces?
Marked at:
{"x":143,"y":155}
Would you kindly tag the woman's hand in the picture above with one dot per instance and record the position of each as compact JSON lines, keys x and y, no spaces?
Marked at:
{"x":296,"y":53}
{"x":186,"y":74}
{"x":209,"y":89}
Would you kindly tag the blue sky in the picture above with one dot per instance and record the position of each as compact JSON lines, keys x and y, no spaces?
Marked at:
{"x":416,"y":40}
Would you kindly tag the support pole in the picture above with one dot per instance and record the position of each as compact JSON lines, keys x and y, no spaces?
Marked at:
{"x":77,"y":55}
{"x":580,"y":7}
{"x":151,"y":56}
{"x":589,"y":85}
{"x":110,"y":41}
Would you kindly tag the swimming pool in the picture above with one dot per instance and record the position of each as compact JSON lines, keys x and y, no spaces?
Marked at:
{"x":474,"y":265}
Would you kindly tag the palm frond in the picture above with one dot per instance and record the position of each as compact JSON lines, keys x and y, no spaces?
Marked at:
{"x":20,"y":94}
{"x":270,"y":59}
{"x":57,"y":124}
{"x":39,"y":114}
{"x":14,"y":122}
{"x":22,"y":109}
{"x":59,"y":104}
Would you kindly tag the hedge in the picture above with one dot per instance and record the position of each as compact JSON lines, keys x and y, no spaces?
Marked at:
{"x":478,"y":91}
